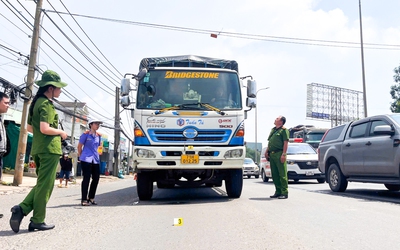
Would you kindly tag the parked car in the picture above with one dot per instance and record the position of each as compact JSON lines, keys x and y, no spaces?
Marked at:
{"x":302,"y":163}
{"x":250,"y":168}
{"x":366,"y":150}
{"x":265,"y":168}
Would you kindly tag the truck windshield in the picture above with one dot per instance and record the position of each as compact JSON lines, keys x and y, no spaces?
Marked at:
{"x":166,"y":88}
{"x":314,"y":136}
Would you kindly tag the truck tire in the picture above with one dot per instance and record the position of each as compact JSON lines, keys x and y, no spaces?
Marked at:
{"x":337,"y":181}
{"x":144,"y":186}
{"x":321,"y":180}
{"x":264,"y":177}
{"x":392,"y":187}
{"x":234,"y":183}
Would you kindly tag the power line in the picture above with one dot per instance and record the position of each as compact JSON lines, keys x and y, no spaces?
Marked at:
{"x":65,"y":91}
{"x":293,"y":40}
{"x":120,"y":74}
{"x":79,"y":50}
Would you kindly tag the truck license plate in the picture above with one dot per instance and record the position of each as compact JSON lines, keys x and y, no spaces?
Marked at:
{"x":190,"y":159}
{"x":309,"y":173}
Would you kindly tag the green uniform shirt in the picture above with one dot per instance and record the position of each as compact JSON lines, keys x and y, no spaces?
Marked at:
{"x":276,"y":138}
{"x":44,"y":111}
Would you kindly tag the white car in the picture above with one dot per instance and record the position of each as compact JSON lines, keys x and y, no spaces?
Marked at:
{"x":250,"y":168}
{"x":302,"y":163}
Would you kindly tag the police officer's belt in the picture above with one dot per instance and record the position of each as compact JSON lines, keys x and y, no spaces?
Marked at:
{"x":275,"y":151}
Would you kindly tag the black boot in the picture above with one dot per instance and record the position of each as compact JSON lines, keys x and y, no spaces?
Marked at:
{"x":39,"y":226}
{"x":16,"y":217}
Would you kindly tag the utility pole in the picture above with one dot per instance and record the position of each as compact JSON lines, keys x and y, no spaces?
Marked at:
{"x":73,"y":125}
{"x":256,"y":157}
{"x":74,"y":155}
{"x":362,"y":63}
{"x":23,"y":134}
{"x":116,"y":133}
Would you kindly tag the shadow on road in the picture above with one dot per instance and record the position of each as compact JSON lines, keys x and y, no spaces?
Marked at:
{"x":173,"y":196}
{"x":181,"y":195}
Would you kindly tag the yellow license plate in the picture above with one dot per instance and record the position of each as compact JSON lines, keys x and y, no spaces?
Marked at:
{"x":190,"y":159}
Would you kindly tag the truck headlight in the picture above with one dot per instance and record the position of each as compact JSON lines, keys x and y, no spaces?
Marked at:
{"x":144,"y":153}
{"x":234,"y":153}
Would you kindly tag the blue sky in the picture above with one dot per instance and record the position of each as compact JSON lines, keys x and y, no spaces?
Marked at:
{"x":286,"y":68}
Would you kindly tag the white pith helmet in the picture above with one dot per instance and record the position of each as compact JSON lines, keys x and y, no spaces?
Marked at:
{"x":91,"y":120}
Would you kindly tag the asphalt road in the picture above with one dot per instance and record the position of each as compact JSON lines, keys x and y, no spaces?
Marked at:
{"x":364,"y":217}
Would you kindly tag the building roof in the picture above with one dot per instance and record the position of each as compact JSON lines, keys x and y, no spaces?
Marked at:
{"x":79,"y":105}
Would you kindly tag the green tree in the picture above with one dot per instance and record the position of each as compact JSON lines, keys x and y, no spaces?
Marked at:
{"x":395,"y":92}
{"x":250,"y":153}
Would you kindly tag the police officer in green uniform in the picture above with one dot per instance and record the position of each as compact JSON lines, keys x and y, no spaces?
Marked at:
{"x":46,"y":151}
{"x":276,"y":152}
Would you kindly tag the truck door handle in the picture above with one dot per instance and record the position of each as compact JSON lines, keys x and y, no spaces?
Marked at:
{"x":348,"y":145}
{"x":368,"y":143}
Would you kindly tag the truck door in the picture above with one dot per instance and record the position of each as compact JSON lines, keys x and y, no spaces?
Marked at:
{"x":379,"y":152}
{"x":353,"y":150}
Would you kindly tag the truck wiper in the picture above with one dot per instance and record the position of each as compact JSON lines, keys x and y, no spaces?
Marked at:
{"x":179,"y":107}
{"x":210,"y":107}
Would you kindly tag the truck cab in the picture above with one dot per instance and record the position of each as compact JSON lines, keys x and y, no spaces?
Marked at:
{"x":310,"y":135}
{"x":189,"y":123}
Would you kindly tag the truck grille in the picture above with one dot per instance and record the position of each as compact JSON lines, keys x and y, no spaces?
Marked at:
{"x":177,"y":136}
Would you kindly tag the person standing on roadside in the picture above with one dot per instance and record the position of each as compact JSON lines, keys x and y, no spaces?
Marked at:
{"x":4,"y":143}
{"x":276,"y":152}
{"x":66,"y":168}
{"x":46,"y":152}
{"x":89,"y":157}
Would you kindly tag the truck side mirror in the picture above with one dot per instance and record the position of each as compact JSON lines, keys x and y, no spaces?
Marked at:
{"x":251,"y":88}
{"x":125,"y":102}
{"x":251,"y":102}
{"x":125,"y":86}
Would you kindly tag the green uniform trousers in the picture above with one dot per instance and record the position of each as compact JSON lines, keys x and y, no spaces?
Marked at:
{"x":279,"y":173}
{"x":36,"y":200}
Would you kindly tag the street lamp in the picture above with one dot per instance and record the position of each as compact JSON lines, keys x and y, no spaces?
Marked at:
{"x":362,"y":62}
{"x":255,"y":153}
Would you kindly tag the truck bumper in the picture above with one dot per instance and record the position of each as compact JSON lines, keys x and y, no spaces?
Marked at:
{"x":170,"y":158}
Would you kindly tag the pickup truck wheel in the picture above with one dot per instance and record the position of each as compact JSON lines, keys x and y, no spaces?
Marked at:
{"x":392,"y":187}
{"x":234,"y":183}
{"x":256,"y":176}
{"x":337,"y":181}
{"x":144,"y":186}
{"x":264,"y":177}
{"x":296,"y":180}
{"x":321,"y":180}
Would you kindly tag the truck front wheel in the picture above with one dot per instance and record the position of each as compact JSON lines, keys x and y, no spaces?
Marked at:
{"x":144,"y":186}
{"x":234,"y":183}
{"x":337,"y":181}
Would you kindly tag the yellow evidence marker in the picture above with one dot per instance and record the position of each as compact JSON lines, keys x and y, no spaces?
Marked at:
{"x":178,"y":221}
